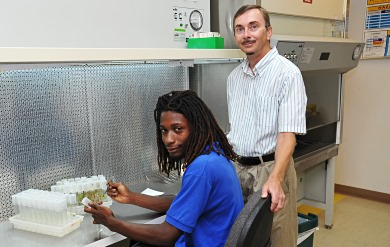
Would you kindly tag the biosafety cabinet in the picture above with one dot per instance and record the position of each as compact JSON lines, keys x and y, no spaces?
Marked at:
{"x":73,"y":112}
{"x":323,"y":62}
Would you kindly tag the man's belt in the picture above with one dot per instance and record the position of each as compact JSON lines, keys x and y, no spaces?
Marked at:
{"x":253,"y":161}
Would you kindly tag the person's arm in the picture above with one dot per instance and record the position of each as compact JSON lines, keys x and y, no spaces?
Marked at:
{"x":162,"y":234}
{"x":284,"y":149}
{"x":120,"y":193}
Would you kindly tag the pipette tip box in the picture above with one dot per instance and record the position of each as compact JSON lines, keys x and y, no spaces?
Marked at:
{"x":58,"y":231}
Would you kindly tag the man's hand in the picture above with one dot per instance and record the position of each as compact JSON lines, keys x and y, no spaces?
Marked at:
{"x":119,"y":192}
{"x":284,"y":149}
{"x":274,"y":187}
{"x":100,"y":214}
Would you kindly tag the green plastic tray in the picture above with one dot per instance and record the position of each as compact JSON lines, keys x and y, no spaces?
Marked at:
{"x":206,"y":43}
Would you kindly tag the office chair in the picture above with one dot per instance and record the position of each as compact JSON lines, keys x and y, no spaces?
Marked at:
{"x":253,"y":225}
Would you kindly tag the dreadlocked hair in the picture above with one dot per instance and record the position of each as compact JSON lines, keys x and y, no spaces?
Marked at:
{"x":204,"y":130}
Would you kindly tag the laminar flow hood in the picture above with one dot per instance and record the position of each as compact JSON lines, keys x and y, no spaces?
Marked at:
{"x":319,"y":54}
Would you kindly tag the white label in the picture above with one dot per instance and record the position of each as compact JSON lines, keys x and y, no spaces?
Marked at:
{"x":85,"y":201}
{"x":307,"y":54}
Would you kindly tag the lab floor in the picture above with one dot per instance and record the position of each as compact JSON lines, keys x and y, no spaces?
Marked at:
{"x":357,"y":222}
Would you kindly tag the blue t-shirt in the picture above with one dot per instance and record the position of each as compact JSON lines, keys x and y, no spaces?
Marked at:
{"x":208,"y":202}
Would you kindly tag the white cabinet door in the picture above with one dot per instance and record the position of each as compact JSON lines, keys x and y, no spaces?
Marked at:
{"x":326,"y":9}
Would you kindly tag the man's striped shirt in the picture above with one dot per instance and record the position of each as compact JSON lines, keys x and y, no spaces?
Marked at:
{"x":261,"y":104}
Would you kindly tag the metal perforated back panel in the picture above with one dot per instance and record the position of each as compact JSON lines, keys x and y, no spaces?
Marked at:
{"x":75,"y":121}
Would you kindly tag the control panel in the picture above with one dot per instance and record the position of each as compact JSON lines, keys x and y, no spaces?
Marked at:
{"x":290,"y":50}
{"x":319,"y":54}
{"x":186,"y":21}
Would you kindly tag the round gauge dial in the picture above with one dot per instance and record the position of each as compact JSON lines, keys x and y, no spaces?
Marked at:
{"x":356,"y":52}
{"x":196,"y":20}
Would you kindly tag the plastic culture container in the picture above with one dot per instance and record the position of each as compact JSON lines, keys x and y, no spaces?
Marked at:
{"x":44,"y":212}
{"x":94,"y":188}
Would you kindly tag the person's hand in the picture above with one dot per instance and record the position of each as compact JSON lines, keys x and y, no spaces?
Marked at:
{"x":100,"y":214}
{"x":274,"y":187}
{"x":119,"y":192}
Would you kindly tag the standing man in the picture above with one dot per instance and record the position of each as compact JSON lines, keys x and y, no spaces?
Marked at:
{"x":266,"y":105}
{"x":209,"y":200}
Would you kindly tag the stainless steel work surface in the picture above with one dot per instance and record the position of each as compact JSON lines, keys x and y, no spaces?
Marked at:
{"x":88,"y":233}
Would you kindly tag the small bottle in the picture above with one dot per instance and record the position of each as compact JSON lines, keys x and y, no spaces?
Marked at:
{"x":23,"y":207}
{"x":43,"y":211}
{"x":15,"y":204}
{"x":103,"y":190}
{"x":97,"y":197}
{"x":61,"y":211}
{"x":54,"y":188}
{"x":66,"y":188}
{"x":72,"y":205}
{"x":79,"y":193}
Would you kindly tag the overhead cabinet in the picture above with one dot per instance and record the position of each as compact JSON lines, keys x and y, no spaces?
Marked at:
{"x":326,"y":9}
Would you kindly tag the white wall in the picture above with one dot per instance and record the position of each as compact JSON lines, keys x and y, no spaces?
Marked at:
{"x":364,"y":155}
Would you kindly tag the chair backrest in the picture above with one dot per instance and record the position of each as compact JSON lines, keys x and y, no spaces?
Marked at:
{"x":253,"y":225}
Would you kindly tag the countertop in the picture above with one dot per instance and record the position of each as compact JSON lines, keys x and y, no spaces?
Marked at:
{"x":88,"y":233}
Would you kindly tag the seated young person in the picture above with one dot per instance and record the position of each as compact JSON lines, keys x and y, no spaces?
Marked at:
{"x":210,"y":198}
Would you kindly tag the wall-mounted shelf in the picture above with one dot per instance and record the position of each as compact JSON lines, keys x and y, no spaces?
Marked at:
{"x":25,"y":55}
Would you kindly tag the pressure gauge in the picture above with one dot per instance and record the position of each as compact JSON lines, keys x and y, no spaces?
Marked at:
{"x":196,"y":20}
{"x":356,"y":52}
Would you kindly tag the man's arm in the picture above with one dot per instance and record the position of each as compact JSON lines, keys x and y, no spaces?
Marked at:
{"x":284,"y":149}
{"x":120,"y":193}
{"x":162,"y":234}
{"x":156,"y":203}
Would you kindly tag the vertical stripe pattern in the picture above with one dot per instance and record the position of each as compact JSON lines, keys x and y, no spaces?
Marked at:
{"x":270,"y":100}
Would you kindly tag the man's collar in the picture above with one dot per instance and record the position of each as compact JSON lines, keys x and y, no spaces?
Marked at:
{"x":258,"y":68}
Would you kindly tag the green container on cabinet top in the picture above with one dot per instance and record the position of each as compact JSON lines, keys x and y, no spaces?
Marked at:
{"x":206,"y":43}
